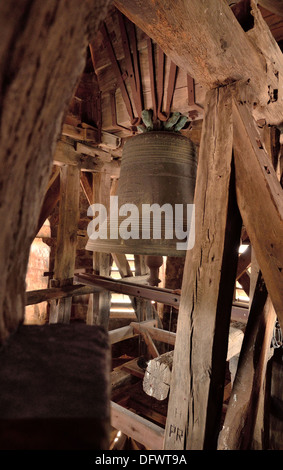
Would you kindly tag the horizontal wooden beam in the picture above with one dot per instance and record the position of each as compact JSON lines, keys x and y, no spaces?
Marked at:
{"x":43,"y":295}
{"x":130,"y":288}
{"x":143,"y":431}
{"x":206,"y":40}
{"x":188,"y":30}
{"x":120,"y":334}
{"x":141,"y":328}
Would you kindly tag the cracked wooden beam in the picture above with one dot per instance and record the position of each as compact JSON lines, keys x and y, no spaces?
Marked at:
{"x":204,"y":38}
{"x":207,"y":290}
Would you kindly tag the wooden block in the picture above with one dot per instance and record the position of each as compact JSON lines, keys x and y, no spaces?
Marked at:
{"x":55,"y":388}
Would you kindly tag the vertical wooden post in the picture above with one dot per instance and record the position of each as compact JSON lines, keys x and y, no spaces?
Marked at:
{"x":60,"y":311}
{"x":196,"y":396}
{"x":240,"y":419}
{"x":99,"y":307}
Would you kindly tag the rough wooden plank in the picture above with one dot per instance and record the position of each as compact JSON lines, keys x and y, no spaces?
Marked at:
{"x":36,"y":88}
{"x":157,"y":377}
{"x":261,"y":211}
{"x":60,"y":310}
{"x":164,"y":336}
{"x":42,"y":295}
{"x":276,"y":6}
{"x":120,"y":334}
{"x":51,"y":198}
{"x":65,"y":154}
{"x":140,"y":429}
{"x":244,"y":262}
{"x":195,"y":401}
{"x":99,"y":307}
{"x":238,"y":428}
{"x":86,"y":184}
{"x":188,"y":30}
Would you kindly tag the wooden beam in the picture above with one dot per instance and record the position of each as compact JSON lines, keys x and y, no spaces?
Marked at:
{"x":157,"y":377}
{"x":34,"y":37}
{"x":240,"y":419}
{"x":65,"y":154}
{"x":147,"y":338}
{"x":131,"y":288}
{"x":140,"y":429}
{"x":86,"y":184}
{"x":189,"y":30}
{"x":42,"y":295}
{"x":244,"y":280}
{"x":186,"y":32}
{"x":261,"y":211}
{"x":195,"y":402}
{"x":51,"y":199}
{"x":244,"y":262}
{"x":163,"y":336}
{"x":60,"y":311}
{"x":120,"y":334}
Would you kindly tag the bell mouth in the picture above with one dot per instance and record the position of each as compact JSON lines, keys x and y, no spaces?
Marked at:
{"x":154,"y":247}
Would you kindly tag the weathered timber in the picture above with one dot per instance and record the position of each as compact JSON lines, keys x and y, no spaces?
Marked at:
{"x":42,"y":295}
{"x":262,"y":214}
{"x":164,"y":336}
{"x":186,"y":31}
{"x":51,"y":199}
{"x":65,"y":154}
{"x":207,"y":289}
{"x":60,"y":309}
{"x":120,"y":334}
{"x":240,"y":419}
{"x":131,"y":288}
{"x":140,"y":429}
{"x":264,"y":41}
{"x":122,"y":265}
{"x":36,"y":84}
{"x":157,"y":377}
{"x":275,"y":6}
{"x":244,"y":280}
{"x":191,"y":30}
{"x":93,"y":152}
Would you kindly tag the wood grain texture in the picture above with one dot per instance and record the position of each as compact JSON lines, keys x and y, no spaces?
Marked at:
{"x":197,"y":385}
{"x":42,"y":50}
{"x":261,"y":210}
{"x":240,"y":419}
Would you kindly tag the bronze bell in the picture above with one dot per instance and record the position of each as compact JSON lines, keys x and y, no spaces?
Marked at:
{"x":157,"y":167}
